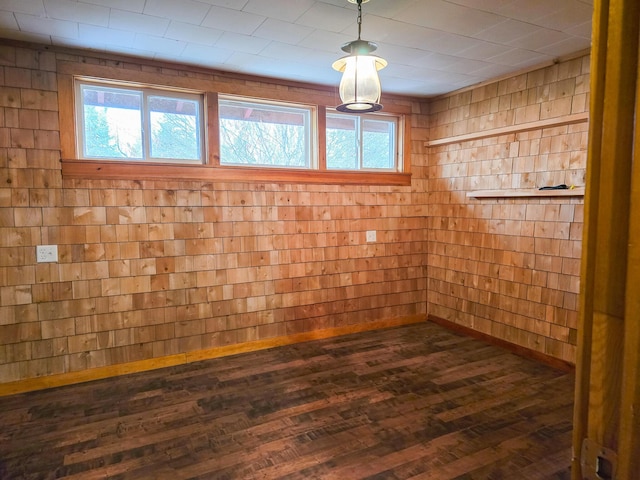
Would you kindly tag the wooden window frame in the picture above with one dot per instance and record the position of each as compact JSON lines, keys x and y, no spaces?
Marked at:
{"x":211,"y":171}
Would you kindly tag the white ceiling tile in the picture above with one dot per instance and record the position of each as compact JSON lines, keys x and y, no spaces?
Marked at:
{"x":154,"y":43}
{"x":565,"y":47}
{"x":32,"y":7}
{"x":326,"y":41}
{"x":387,"y":9}
{"x":438,"y":61}
{"x":429,"y":82}
{"x":399,"y":33}
{"x":534,"y":60}
{"x":566,"y":16}
{"x":450,"y":43}
{"x":128,"y":5}
{"x":95,"y":35}
{"x":210,"y":56}
{"x":302,"y":73}
{"x":47,"y":26}
{"x":482,"y":50}
{"x":401,"y":82}
{"x":280,"y":31}
{"x":287,"y":10}
{"x":247,"y":63}
{"x":441,"y":15}
{"x":517,"y":56}
{"x":192,"y":33}
{"x":400,"y":54}
{"x":467,"y":82}
{"x":187,"y":11}
{"x":583,"y":30}
{"x":138,"y":23}
{"x":8,"y":21}
{"x":420,"y":73}
{"x":329,"y":17}
{"x":134,"y":52}
{"x":426,"y":88}
{"x":465,"y":66}
{"x":240,"y":61}
{"x":528,"y":10}
{"x":540,"y":39}
{"x":235,"y":4}
{"x":295,"y":53}
{"x":80,"y":42}
{"x":77,"y":12}
{"x":494,"y":6}
{"x":494,"y":70}
{"x":232,"y":20}
{"x":507,"y":31}
{"x":242,"y":43}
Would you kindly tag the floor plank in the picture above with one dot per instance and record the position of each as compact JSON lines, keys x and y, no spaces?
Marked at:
{"x":413,"y":402}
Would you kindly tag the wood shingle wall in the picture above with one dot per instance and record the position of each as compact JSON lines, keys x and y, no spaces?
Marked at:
{"x":153,"y":268}
{"x":149,"y":269}
{"x":510,"y":266}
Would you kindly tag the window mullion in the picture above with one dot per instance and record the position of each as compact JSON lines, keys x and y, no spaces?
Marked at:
{"x":146,"y":125}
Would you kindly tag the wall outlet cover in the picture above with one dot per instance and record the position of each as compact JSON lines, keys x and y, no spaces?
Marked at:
{"x":46,"y":253}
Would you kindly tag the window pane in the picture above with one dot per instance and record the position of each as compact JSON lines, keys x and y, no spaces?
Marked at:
{"x":175,"y":128}
{"x":266,"y":135}
{"x":377,"y":140}
{"x":342,"y":142}
{"x":112,"y":122}
{"x":361,"y":142}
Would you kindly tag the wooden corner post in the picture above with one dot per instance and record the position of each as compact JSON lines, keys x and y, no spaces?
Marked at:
{"x":606,"y":437}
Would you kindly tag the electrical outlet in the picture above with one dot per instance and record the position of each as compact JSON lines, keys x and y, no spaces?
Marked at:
{"x":371,"y":235}
{"x":46,"y":253}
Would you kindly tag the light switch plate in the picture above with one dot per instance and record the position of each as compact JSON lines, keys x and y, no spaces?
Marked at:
{"x":371,"y":235}
{"x":46,"y":253}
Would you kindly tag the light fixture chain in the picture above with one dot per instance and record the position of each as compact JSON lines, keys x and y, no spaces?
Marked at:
{"x":359,"y":18}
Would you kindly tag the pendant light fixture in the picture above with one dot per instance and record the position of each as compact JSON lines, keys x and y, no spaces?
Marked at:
{"x":360,"y":86}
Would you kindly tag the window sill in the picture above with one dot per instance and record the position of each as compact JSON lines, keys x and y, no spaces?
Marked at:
{"x":114,"y":170}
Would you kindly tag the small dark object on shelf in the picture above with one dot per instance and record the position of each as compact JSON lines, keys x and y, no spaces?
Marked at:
{"x":562,"y":186}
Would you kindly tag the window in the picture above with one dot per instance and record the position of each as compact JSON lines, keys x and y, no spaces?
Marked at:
{"x":128,"y":123}
{"x":131,"y":124}
{"x":267,"y":134}
{"x":361,"y":142}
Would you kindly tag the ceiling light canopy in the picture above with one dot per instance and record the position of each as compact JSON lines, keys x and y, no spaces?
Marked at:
{"x":360,"y":85}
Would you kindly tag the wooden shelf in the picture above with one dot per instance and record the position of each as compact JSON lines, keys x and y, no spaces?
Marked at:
{"x":573,"y":192}
{"x":522,"y":127}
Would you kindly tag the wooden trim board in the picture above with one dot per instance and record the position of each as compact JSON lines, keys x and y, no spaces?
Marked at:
{"x":525,"y":192}
{"x":119,"y":170}
{"x":521,"y":127}
{"x":512,"y":347}
{"x":52,"y":381}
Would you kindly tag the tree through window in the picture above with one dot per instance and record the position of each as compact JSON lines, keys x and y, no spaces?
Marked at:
{"x":361,"y":142}
{"x":139,"y":124}
{"x":261,"y":134}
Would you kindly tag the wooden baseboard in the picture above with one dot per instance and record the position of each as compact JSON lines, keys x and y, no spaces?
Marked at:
{"x":62,"y":379}
{"x":512,"y":347}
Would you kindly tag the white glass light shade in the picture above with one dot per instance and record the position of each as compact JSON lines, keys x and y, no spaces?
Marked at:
{"x":360,"y":85}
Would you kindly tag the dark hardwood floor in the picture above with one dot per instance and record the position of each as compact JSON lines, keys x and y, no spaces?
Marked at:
{"x":414,"y":402}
